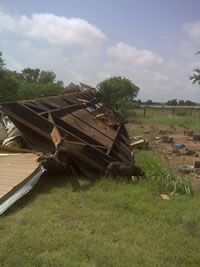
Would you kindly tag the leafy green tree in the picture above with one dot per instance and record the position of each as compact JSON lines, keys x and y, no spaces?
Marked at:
{"x":31,"y":75}
{"x":2,"y":63}
{"x":118,"y":88}
{"x":181,"y":102}
{"x":196,"y":75}
{"x":28,"y":84}
{"x":35,"y":83}
{"x":149,"y":102}
{"x":8,"y":84}
{"x":47,"y":77}
{"x":190,"y":103}
{"x":172,"y":102}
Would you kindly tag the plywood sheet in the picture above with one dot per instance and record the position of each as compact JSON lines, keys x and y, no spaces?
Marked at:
{"x":15,"y":170}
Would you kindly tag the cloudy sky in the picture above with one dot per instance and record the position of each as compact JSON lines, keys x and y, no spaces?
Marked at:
{"x":151,"y":42}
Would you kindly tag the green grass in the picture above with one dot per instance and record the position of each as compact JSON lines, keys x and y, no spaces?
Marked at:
{"x":160,"y":176}
{"x":185,"y":117}
{"x":106,"y":223}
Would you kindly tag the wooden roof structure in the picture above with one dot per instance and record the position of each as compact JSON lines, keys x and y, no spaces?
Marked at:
{"x":93,"y":134}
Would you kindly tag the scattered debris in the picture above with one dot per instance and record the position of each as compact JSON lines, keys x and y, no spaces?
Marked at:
{"x":188,"y":133}
{"x":137,"y":137}
{"x":197,"y":171}
{"x":165,"y":197}
{"x":197,"y":164}
{"x":168,"y":139}
{"x":190,"y":152}
{"x":185,"y":169}
{"x":180,"y":125}
{"x":178,"y":145}
{"x":140,"y":144}
{"x":196,"y":137}
{"x":163,"y":132}
{"x":181,"y":150}
{"x":176,"y":151}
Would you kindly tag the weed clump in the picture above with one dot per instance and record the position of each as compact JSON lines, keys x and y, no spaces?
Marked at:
{"x":162,"y":178}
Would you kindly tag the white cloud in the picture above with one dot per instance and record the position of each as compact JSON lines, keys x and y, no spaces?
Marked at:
{"x":54,"y":29}
{"x":193,"y":30}
{"x":130,"y":54}
{"x":160,"y":77}
{"x":6,"y":22}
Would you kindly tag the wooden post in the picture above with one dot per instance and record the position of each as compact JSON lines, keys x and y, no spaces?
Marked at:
{"x":145,"y":110}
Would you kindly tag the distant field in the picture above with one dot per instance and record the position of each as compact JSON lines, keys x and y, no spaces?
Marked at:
{"x":188,"y":117}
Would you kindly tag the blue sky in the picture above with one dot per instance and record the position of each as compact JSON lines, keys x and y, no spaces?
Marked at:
{"x":151,"y":42}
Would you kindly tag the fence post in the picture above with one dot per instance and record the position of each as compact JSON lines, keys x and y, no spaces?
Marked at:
{"x":145,"y":110}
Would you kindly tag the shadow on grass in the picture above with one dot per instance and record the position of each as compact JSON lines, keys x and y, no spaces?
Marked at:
{"x":49,"y":181}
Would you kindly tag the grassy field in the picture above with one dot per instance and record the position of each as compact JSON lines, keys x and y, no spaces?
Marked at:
{"x":186,"y":117}
{"x":103,"y":223}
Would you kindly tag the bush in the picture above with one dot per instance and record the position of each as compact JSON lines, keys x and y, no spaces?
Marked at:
{"x":125,"y":108}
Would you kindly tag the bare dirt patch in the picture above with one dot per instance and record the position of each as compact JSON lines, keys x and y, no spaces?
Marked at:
{"x":172,"y":160}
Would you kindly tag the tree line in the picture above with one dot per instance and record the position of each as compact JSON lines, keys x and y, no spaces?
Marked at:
{"x":27,"y":84}
{"x":32,"y":83}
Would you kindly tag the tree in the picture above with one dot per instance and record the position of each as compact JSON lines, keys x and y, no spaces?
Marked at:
{"x":149,"y":102}
{"x":8,"y":84}
{"x":47,"y":77}
{"x":181,"y":102}
{"x":28,"y":84}
{"x":31,"y":75}
{"x":190,"y":103}
{"x":117,"y":89}
{"x":2,"y":63}
{"x":196,"y":75}
{"x":35,"y":83}
{"x":172,"y":102}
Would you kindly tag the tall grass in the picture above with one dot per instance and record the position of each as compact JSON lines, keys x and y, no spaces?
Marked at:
{"x":161,"y":177}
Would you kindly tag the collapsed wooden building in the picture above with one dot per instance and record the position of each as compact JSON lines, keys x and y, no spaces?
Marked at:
{"x":79,"y":129}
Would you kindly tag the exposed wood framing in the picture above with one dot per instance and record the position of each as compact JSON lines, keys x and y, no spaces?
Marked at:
{"x":93,"y":132}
